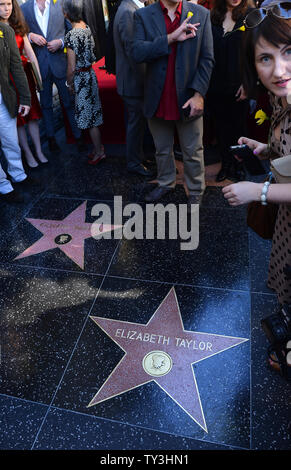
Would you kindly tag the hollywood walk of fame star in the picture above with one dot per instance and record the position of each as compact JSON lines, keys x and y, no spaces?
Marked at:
{"x":164,"y":352}
{"x":67,"y":234}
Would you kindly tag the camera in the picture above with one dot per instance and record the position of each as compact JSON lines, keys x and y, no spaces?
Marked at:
{"x":251,"y":162}
{"x":277,"y":327}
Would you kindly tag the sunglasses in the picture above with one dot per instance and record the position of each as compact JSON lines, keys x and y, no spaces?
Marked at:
{"x":255,"y":17}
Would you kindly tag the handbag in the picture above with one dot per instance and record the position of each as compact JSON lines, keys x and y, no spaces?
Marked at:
{"x":262,"y":219}
{"x":35,"y":76}
{"x":281,"y":169}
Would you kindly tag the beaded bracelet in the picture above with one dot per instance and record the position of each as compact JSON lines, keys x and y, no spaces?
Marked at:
{"x":265,"y":190}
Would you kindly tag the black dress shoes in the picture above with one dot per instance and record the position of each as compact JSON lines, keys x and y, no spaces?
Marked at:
{"x":12,"y":197}
{"x":222,"y":175}
{"x":194,"y":199}
{"x":29,"y":181}
{"x":142,"y":171}
{"x":157,"y":193}
{"x":53,"y":146}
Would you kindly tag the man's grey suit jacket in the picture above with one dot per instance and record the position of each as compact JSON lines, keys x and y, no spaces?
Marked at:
{"x":194,"y":61}
{"x":54,"y":61}
{"x":129,"y":75}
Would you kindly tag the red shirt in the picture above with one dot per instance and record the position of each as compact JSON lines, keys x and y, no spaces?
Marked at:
{"x":168,"y":107}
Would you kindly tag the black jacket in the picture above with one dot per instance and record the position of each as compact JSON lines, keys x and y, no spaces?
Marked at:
{"x":226,"y":74}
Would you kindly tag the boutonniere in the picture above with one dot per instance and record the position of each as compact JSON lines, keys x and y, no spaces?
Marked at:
{"x":242,"y":28}
{"x":55,"y":1}
{"x":1,"y":34}
{"x":261,"y":117}
{"x":189,"y":14}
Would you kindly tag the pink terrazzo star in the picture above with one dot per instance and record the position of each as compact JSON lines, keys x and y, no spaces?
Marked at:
{"x":67,"y":234}
{"x":163,"y":352}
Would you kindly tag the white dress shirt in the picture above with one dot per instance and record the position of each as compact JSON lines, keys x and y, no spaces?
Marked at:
{"x":42,"y":19}
{"x":138,"y":3}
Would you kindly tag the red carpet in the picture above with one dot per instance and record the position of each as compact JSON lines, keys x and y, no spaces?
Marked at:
{"x":113,"y":128}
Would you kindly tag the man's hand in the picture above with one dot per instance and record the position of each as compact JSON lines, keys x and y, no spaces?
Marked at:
{"x":37,"y":39}
{"x":180,"y":33}
{"x":54,"y":45}
{"x":196,"y":104}
{"x":23,"y":110}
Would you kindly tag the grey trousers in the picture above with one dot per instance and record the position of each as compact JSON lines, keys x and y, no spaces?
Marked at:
{"x":190,"y":137}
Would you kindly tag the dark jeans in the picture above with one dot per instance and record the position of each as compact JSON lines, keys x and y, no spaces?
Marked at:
{"x":46,"y":101}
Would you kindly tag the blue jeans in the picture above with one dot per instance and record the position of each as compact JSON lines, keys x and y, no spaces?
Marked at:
{"x":11,"y":150}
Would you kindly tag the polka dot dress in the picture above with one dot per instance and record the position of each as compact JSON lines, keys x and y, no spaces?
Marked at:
{"x":281,"y":247}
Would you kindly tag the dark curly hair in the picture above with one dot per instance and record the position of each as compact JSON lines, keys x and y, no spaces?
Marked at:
{"x":219,"y":9}
{"x":17,"y":21}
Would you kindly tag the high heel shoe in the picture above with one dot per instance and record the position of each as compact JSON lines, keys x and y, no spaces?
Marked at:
{"x":92,"y":154}
{"x":98,"y":159}
{"x":42,"y":159}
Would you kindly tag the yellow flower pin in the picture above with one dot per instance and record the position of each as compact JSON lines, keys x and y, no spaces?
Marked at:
{"x":261,"y":117}
{"x":189,"y":14}
{"x":65,"y":50}
{"x":55,"y":1}
{"x":1,"y":34}
{"x":242,"y":28}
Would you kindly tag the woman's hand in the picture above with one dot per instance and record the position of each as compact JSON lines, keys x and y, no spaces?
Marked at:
{"x":240,"y":94}
{"x":258,"y":148}
{"x":23,"y":110}
{"x":242,"y":192}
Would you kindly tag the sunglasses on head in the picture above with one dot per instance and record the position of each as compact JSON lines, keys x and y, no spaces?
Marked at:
{"x":255,"y":17}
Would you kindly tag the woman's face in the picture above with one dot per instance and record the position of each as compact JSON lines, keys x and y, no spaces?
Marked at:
{"x":5,"y":9}
{"x":273,"y":66}
{"x":231,"y":3}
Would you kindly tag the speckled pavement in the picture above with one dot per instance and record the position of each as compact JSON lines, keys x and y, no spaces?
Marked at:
{"x":133,"y":344}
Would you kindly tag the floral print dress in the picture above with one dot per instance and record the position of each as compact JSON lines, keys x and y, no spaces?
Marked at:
{"x":88,"y":112}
